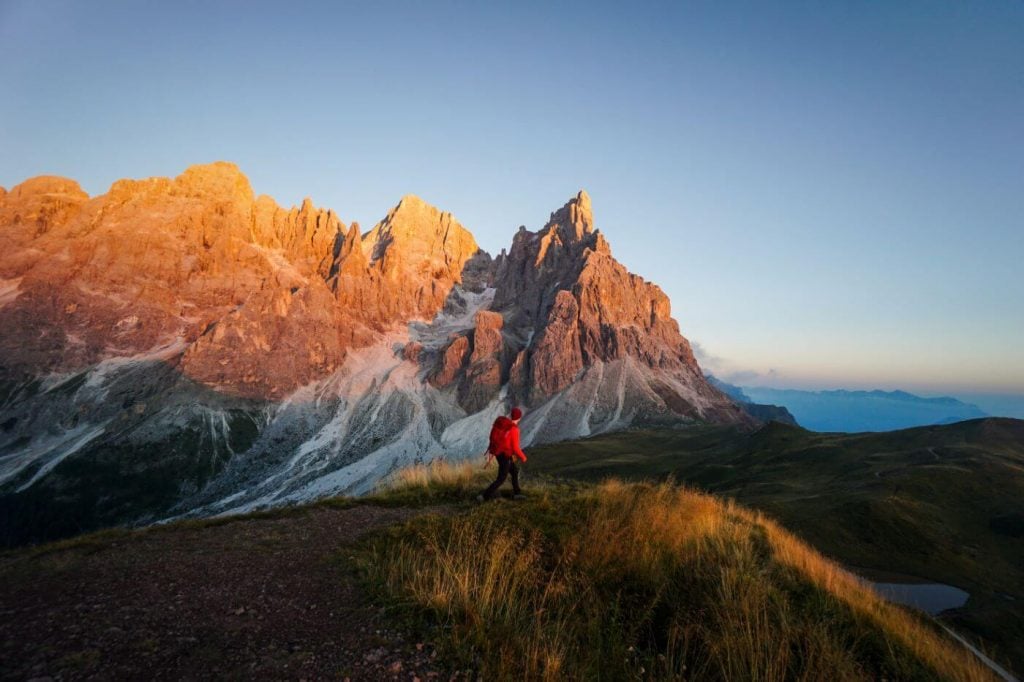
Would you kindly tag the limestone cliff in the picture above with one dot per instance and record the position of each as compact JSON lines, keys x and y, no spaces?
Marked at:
{"x":568,"y":305}
{"x":181,"y":346}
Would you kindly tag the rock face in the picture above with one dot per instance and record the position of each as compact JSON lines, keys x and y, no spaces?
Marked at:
{"x":182,"y":346}
{"x":407,"y":264}
{"x":196,"y":260}
{"x":246,"y":284}
{"x":569,"y":307}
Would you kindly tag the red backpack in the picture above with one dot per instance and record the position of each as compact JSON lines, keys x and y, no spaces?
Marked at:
{"x":498,"y":444}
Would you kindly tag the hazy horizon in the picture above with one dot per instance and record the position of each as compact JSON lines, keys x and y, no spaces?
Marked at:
{"x":831,"y":196}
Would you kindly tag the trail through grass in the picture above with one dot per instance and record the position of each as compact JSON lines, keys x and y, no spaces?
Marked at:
{"x":640,"y":581}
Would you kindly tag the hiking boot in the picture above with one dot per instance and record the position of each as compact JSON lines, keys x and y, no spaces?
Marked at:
{"x":519,"y":496}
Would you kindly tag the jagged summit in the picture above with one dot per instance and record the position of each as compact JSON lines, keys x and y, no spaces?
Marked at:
{"x":405,"y":267}
{"x":421,"y":231}
{"x":219,"y":178}
{"x":213,"y":169}
{"x":574,"y":220}
{"x":29,"y":208}
{"x":413,"y":202}
{"x":256,"y":354}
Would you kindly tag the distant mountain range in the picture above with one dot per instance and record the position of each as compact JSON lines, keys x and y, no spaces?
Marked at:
{"x":760,"y":411}
{"x":854,"y":411}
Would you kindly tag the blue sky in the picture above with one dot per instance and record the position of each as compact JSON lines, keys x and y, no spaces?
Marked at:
{"x":832,"y":194}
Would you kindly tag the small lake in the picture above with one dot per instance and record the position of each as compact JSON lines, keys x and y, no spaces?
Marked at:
{"x":932,"y":598}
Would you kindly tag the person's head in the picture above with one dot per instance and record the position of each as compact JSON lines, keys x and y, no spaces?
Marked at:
{"x":516,"y":414}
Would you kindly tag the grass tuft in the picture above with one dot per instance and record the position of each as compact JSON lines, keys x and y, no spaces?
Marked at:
{"x":438,"y":473}
{"x":439,"y":481}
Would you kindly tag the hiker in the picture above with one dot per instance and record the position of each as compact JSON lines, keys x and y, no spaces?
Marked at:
{"x":504,"y":446}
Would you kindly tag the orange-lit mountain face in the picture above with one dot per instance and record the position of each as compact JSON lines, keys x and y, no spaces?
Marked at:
{"x":261,"y":299}
{"x":247,"y":355}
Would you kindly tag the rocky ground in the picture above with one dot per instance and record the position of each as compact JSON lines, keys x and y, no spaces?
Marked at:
{"x":267,"y":598}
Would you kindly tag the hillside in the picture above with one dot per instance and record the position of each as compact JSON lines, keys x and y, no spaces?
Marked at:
{"x":941,"y":502}
{"x":624,"y":581}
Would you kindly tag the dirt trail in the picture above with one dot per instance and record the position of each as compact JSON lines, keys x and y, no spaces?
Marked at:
{"x":253,"y":599}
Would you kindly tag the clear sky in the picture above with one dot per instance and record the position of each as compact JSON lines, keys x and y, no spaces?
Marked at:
{"x":831,"y":193}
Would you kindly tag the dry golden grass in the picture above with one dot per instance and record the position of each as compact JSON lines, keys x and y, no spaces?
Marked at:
{"x":644,"y":581}
{"x":436,"y":482}
{"x":438,"y":472}
{"x":928,"y":645}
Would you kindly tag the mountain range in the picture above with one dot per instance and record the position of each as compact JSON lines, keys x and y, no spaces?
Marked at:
{"x":763,"y":411}
{"x":181,"y":347}
{"x":853,"y":411}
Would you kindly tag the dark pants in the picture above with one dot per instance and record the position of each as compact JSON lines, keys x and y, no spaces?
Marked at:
{"x":506,"y":465}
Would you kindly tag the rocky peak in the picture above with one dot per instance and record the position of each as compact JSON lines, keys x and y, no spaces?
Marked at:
{"x":37,"y":205}
{"x":47,"y":185}
{"x":217,"y":306}
{"x":200,"y":247}
{"x":214,"y":182}
{"x":406,"y":266}
{"x":540,"y":263}
{"x":309,"y":235}
{"x":219,"y":179}
{"x":430,"y":241}
{"x":577,"y":307}
{"x":568,"y":233}
{"x":574,"y":220}
{"x":351,"y":260}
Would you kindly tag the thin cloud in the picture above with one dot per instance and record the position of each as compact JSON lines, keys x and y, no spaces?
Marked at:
{"x":708,"y":361}
{"x":725,"y":370}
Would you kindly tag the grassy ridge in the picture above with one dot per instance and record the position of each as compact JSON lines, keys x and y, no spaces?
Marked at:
{"x":940,"y":502}
{"x":640,"y":581}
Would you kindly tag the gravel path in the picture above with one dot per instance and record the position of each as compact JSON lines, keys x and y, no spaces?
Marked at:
{"x":254,"y":599}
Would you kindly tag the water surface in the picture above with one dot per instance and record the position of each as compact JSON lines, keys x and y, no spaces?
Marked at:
{"x":932,"y":598}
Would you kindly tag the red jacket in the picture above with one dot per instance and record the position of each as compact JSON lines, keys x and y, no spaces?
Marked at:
{"x":504,"y":439}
